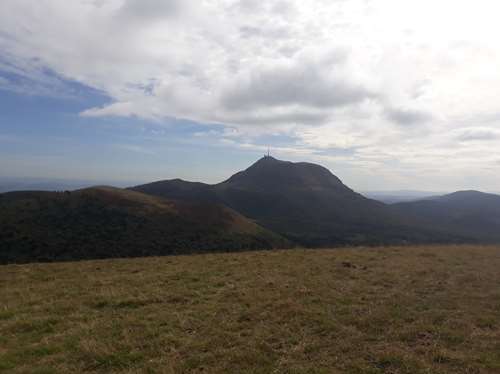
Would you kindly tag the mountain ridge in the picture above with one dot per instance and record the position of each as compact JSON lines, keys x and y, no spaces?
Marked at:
{"x":270,"y":204}
{"x":306,"y":203}
{"x":472,"y":213}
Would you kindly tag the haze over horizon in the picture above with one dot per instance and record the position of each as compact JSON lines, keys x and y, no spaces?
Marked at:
{"x":388,"y":95}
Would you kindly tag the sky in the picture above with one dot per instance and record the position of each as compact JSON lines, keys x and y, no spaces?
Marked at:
{"x":387,"y":94}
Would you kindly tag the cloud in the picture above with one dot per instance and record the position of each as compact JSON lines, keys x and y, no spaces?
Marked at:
{"x":300,"y":84}
{"x":251,"y":6}
{"x":269,"y":33}
{"x":407,"y":117}
{"x":150,"y":10}
{"x":34,"y":80}
{"x":294,"y":116}
{"x":328,"y":74}
{"x":478,"y":134}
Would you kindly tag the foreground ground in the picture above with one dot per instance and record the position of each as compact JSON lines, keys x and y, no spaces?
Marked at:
{"x":387,"y":310}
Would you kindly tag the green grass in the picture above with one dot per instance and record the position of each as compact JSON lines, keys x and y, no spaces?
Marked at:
{"x":382,"y":310}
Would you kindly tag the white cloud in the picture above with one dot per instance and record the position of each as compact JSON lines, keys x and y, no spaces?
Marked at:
{"x":304,"y":84}
{"x":402,"y":84}
{"x":407,"y":117}
{"x":478,"y":134}
{"x":151,"y":10}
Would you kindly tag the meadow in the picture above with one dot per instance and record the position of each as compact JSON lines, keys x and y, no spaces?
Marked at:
{"x":432,"y":309}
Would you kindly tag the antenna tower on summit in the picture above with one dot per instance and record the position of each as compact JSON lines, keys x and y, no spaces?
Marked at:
{"x":268,"y":152}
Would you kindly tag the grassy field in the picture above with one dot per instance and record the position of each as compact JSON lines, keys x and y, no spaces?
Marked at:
{"x":383,"y":310}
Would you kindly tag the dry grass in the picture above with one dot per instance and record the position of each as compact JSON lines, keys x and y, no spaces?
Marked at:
{"x":386,"y":310}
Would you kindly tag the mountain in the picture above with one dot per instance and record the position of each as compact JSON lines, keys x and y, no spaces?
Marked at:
{"x":105,"y":222}
{"x":272,"y":204}
{"x":471,"y":213}
{"x":304,"y":202}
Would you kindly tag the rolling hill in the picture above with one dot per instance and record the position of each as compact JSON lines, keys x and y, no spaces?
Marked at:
{"x":105,"y":222}
{"x":307,"y":204}
{"x":471,"y":213}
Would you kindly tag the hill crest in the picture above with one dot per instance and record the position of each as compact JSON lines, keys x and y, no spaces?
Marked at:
{"x":105,"y":222}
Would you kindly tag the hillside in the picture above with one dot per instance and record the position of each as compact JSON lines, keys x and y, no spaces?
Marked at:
{"x":307,"y":204}
{"x":106,"y":222}
{"x":471,"y":213}
{"x":410,"y":310}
